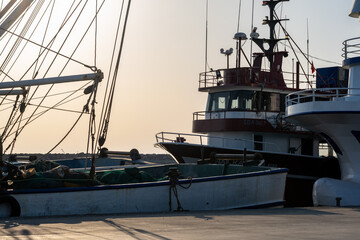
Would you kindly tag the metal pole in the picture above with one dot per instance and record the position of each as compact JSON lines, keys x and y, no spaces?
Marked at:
{"x":297,"y":75}
{"x":252,"y":27}
{"x":240,"y":53}
{"x":37,"y":82}
{"x":206,"y":38}
{"x":12,"y":92}
{"x":293,"y":74}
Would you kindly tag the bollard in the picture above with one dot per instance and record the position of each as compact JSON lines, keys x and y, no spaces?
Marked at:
{"x":338,"y":199}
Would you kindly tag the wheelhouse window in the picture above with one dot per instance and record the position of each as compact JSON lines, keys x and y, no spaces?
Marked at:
{"x":246,"y":100}
{"x":219,"y":101}
{"x":242,"y":100}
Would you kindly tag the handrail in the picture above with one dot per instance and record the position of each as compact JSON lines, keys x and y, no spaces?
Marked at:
{"x":215,"y":78}
{"x":319,"y":94}
{"x":180,"y":138}
{"x":351,"y":46}
{"x":273,"y":117}
{"x":221,"y":114}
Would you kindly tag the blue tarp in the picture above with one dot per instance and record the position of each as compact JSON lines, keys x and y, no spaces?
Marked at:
{"x":331,"y":77}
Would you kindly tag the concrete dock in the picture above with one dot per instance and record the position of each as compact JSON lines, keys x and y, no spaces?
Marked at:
{"x":276,"y":223}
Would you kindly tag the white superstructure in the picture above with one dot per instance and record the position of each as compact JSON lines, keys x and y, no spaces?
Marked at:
{"x":334,"y":113}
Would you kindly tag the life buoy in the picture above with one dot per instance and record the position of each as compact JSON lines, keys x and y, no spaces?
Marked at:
{"x":15,"y":206}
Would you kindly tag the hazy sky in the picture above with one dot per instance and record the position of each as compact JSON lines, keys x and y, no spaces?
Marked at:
{"x":164,"y":54}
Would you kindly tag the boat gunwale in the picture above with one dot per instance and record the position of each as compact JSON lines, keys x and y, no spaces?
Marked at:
{"x":160,"y":144}
{"x":143,"y":184}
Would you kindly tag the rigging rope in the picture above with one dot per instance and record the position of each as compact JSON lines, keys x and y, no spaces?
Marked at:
{"x":46,"y":48}
{"x":37,"y":65}
{"x":25,"y":29}
{"x":105,"y":115}
{"x":45,"y":111}
{"x":11,"y":116}
{"x":6,"y":75}
{"x":96,"y":30}
{"x":43,"y":39}
{"x":18,"y":131}
{"x":15,"y":26}
{"x":292,"y":40}
{"x":66,"y":19}
{"x":93,"y":93}
{"x":62,"y":102}
{"x":28,"y":121}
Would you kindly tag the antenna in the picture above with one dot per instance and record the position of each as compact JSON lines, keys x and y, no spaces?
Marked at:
{"x":238,"y":24}
{"x":206,"y":37}
{"x":307,"y":45}
{"x":271,"y":21}
{"x":252,"y":28}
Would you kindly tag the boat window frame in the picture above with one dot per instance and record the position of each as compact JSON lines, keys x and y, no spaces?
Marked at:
{"x":259,"y":100}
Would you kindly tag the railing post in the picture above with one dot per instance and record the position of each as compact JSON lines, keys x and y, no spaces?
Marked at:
{"x":201,"y":140}
{"x":313,"y":95}
{"x":345,"y":50}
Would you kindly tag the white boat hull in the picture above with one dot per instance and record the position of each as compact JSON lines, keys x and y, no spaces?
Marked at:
{"x":212,"y":193}
{"x":333,"y":192}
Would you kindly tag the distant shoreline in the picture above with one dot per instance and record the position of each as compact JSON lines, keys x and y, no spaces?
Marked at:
{"x":155,"y":158}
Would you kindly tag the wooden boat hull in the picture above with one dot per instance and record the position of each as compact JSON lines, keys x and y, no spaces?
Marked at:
{"x":255,"y":189}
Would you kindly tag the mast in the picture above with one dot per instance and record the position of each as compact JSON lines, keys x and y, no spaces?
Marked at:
{"x":271,"y":21}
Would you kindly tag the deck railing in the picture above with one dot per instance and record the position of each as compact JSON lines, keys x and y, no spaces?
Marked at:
{"x":215,"y":78}
{"x":224,"y":114}
{"x":276,"y":119}
{"x":319,"y":94}
{"x":237,"y":143}
{"x":351,"y":48}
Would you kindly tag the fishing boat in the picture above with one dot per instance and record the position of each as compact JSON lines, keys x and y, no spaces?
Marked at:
{"x":245,"y":112}
{"x":334,"y":114}
{"x":148,"y":189}
{"x":46,"y":188}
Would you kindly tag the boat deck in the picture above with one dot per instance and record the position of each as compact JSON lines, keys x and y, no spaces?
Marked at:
{"x":275,"y":223}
